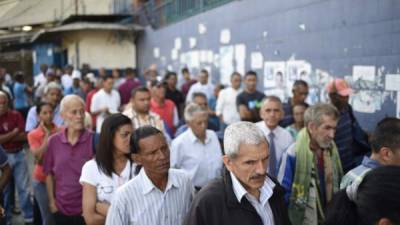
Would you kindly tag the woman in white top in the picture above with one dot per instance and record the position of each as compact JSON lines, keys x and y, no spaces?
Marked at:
{"x":110,"y":169}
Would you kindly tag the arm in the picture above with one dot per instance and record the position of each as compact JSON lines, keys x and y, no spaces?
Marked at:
{"x":50,"y":193}
{"x":5,"y":176}
{"x":21,"y":136}
{"x":89,"y":206}
{"x":4,"y":138}
{"x":244,"y":113}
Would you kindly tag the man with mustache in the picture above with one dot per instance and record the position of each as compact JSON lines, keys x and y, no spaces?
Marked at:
{"x":157,"y":195}
{"x":311,"y":169}
{"x":246,"y":194}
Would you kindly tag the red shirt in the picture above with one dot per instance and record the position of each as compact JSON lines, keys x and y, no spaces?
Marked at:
{"x":89,"y":97}
{"x":35,"y":140}
{"x":165,"y":111}
{"x":8,"y":121}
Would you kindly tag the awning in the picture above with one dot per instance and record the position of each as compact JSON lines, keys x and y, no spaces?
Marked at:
{"x":88,"y":26}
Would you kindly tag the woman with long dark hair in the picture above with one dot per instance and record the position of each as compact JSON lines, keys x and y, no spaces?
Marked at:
{"x":111,"y":168}
{"x":375,"y":201}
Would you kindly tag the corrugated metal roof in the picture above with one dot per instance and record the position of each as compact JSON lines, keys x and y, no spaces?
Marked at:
{"x":6,"y":5}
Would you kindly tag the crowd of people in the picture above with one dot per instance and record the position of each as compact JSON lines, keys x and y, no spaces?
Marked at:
{"x":118,"y":148}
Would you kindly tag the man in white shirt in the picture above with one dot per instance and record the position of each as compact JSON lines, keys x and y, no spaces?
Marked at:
{"x":105,"y":102}
{"x":279,"y":139}
{"x":66,"y":79}
{"x":202,"y":86}
{"x":245,"y":195}
{"x":40,"y":79}
{"x":226,"y":107}
{"x":197,"y":151}
{"x":157,"y":195}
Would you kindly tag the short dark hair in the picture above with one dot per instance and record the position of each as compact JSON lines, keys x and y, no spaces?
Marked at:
{"x":40,"y":106}
{"x":139,"y":89}
{"x":141,"y":133}
{"x":250,"y":73}
{"x":129,"y":71}
{"x":185,"y":70}
{"x":169,"y":74}
{"x":204,"y":71}
{"x":376,"y":197}
{"x":386,"y":134}
{"x":300,"y":83}
{"x":104,"y":150}
{"x":199,"y":94}
{"x":108,"y":76}
{"x":235,"y":74}
{"x":305,"y":105}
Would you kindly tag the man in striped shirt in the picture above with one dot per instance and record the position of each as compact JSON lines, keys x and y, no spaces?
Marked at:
{"x":385,"y":151}
{"x":157,"y":195}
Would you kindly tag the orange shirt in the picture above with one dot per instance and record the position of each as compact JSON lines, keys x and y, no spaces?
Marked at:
{"x":35,"y":140}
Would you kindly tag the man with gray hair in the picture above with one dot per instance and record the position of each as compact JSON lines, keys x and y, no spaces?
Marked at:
{"x":245,"y":194}
{"x":311,"y":169}
{"x":197,"y":150}
{"x":52,"y":95}
{"x":67,"y":152}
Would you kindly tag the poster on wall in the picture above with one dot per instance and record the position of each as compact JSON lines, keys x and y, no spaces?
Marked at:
{"x":257,"y":60}
{"x":240,"y":58}
{"x":366,"y":73}
{"x":226,"y":54}
{"x":274,"y":75}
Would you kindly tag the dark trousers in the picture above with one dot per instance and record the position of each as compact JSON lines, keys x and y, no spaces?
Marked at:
{"x":62,"y":219}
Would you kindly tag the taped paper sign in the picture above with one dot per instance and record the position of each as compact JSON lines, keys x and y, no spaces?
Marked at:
{"x":156,"y":53}
{"x":226,"y":64}
{"x":274,"y":74}
{"x":225,"y":36}
{"x":392,"y":82}
{"x":364,"y":73}
{"x":257,"y":60}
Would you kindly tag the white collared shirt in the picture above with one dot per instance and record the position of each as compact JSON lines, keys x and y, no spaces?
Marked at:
{"x":103,"y":99}
{"x":140,"y":202}
{"x":203,"y":162}
{"x":226,"y":105}
{"x":282,"y":140}
{"x":207,"y":89}
{"x":261,"y":205}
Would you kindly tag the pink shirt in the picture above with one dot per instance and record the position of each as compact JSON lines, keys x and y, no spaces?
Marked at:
{"x":65,"y":161}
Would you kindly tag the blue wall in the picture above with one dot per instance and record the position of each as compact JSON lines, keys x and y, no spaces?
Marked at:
{"x":46,"y":53}
{"x":333,"y":37}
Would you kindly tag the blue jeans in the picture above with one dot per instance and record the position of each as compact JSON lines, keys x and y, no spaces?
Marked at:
{"x":20,"y":173}
{"x":40,"y":192}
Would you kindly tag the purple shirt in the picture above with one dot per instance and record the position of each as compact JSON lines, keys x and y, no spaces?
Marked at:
{"x":65,"y":163}
{"x":126,"y":88}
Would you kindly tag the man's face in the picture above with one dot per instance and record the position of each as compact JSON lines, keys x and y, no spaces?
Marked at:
{"x":201,"y":101}
{"x":141,"y":102}
{"x":203,"y":78}
{"x":186,"y":76}
{"x":271,"y":112}
{"x":250,"y":165}
{"x":325,"y":132}
{"x":300,"y":93}
{"x":153,"y":155}
{"x":108,"y":84}
{"x":236,"y":81}
{"x":74,"y":114}
{"x":251,"y":82}
{"x":53,"y":96}
{"x":298,"y":113}
{"x":199,"y":124}
{"x":3,"y":104}
{"x":340,"y":102}
{"x":172,"y":80}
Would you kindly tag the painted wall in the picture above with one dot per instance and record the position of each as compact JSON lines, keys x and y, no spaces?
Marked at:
{"x":100,"y":49}
{"x":315,"y":40}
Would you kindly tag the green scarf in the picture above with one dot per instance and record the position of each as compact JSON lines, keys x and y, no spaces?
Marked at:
{"x":302,"y":176}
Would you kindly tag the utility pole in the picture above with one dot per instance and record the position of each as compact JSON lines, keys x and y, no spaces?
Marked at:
{"x":76,"y":7}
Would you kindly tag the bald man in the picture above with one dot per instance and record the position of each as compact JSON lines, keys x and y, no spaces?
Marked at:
{"x":67,"y":152}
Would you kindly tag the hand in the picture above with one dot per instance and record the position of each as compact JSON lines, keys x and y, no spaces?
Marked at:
{"x":15,"y":130}
{"x":102,"y":208}
{"x":2,"y":212}
{"x":53,"y":207}
{"x":46,"y":131}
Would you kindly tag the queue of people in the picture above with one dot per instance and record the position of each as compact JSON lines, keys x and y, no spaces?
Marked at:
{"x":122,"y":149}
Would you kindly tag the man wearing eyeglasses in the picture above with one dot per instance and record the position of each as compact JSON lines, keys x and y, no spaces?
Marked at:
{"x":351,"y":140}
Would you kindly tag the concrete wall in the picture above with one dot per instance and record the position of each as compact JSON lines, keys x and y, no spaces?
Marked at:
{"x":358,"y":40}
{"x":100,"y":49}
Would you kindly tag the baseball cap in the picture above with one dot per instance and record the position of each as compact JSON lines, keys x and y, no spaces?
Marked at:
{"x":339,"y":86}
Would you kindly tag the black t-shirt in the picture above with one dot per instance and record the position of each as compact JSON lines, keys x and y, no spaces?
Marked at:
{"x":177,"y":97}
{"x":252,"y":101}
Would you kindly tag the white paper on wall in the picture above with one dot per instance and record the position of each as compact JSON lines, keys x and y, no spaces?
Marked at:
{"x":364,"y":73}
{"x":225,"y":36}
{"x":392,"y":82}
{"x":226,"y":54}
{"x":257,"y":60}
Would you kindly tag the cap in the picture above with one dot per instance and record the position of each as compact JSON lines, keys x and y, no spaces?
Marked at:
{"x":339,"y":86}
